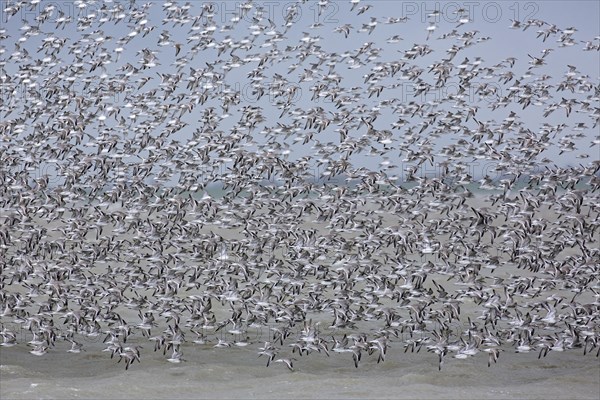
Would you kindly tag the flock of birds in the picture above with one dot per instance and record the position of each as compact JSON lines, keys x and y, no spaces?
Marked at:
{"x":172,"y":178}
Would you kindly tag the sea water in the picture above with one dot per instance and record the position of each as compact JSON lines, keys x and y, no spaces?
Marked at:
{"x":236,"y":373}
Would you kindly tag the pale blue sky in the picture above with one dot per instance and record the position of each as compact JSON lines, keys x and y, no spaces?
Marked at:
{"x":489,"y":18}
